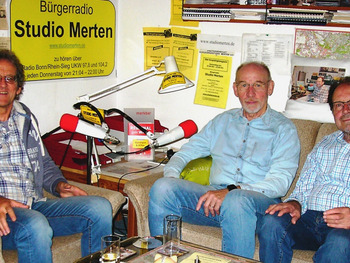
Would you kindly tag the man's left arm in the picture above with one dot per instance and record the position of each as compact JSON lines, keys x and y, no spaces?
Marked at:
{"x":52,"y":175}
{"x":284,"y":164}
{"x":337,"y":217}
{"x":55,"y":182}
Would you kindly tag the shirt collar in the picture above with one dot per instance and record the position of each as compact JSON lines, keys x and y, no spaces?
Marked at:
{"x":340,"y":138}
{"x":265,"y":118}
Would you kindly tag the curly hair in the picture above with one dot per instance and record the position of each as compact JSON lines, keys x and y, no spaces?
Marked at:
{"x":11,"y":57}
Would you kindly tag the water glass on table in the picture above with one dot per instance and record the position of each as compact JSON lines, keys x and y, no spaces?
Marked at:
{"x":172,"y":234}
{"x":110,"y":249}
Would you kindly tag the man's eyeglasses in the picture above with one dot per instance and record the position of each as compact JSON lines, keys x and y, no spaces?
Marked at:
{"x":339,"y":105}
{"x":257,"y":86}
{"x":8,"y":79}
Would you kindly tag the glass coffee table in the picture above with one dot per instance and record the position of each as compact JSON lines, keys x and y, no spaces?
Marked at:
{"x":193,"y":250}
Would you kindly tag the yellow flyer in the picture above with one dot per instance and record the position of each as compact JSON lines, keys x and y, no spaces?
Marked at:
{"x":213,"y":80}
{"x":185,"y":50}
{"x":157,"y":45}
{"x":176,"y":15}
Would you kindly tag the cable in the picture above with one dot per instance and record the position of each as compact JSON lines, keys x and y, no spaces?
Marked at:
{"x":125,"y":116}
{"x":141,"y":171}
{"x":118,"y":189}
{"x":66,"y":150}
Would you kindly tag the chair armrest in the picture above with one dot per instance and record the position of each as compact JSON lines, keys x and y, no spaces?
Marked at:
{"x":1,"y":258}
{"x":137,"y":191}
{"x":115,"y":198}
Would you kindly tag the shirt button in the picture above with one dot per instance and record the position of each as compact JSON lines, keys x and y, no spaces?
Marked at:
{"x":243,"y":140}
{"x":238,"y":169}
{"x":240,"y":156}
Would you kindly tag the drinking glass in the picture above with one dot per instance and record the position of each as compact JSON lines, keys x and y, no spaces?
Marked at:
{"x":172,"y":234}
{"x":110,"y":249}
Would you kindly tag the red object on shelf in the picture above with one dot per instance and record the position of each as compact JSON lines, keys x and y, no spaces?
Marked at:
{"x":77,"y":159}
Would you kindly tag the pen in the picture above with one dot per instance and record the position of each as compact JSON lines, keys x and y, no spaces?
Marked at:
{"x":197,"y":260}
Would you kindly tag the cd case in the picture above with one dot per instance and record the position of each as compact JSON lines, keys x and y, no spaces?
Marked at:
{"x":126,"y":252}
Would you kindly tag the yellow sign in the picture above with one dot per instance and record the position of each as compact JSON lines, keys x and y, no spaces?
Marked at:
{"x":157,"y":45}
{"x":213,"y":80}
{"x":181,"y":43}
{"x":172,"y":78}
{"x":91,"y":115}
{"x":139,"y":144}
{"x":60,"y":39}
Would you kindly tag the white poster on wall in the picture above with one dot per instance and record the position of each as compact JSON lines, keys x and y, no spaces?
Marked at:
{"x":273,"y":50}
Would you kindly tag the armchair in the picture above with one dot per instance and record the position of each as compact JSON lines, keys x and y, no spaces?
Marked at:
{"x":67,"y":248}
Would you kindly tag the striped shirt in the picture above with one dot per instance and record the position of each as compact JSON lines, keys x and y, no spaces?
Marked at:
{"x":320,"y":95}
{"x":324,"y":182}
{"x":16,"y":177}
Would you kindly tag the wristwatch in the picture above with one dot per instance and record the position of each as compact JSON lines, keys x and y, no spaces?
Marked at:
{"x":231,"y":187}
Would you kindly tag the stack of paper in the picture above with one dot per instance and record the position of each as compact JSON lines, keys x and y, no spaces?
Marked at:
{"x":248,"y":14}
{"x":341,"y":17}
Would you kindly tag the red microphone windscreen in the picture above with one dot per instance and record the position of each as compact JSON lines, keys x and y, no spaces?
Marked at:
{"x":189,"y":127}
{"x":69,"y":122}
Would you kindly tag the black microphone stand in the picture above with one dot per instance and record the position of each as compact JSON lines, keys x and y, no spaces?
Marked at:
{"x":89,"y":144}
{"x":90,"y":139}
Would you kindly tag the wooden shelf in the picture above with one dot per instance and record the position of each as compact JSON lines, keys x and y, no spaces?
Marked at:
{"x":265,"y":8}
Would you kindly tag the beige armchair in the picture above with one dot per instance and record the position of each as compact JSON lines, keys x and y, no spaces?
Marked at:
{"x":310,"y":132}
{"x":67,"y":249}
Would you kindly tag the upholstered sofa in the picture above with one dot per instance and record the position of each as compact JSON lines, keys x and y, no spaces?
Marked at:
{"x":67,"y":249}
{"x":310,"y":132}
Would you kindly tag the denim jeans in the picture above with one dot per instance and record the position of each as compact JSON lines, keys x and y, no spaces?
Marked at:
{"x":278,"y":236}
{"x":238,"y":217}
{"x":31,"y":234}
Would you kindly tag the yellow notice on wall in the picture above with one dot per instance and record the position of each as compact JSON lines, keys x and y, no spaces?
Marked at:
{"x":60,"y":39}
{"x":213,"y":80}
{"x":179,"y":42}
{"x":185,"y":50}
{"x":157,"y":45}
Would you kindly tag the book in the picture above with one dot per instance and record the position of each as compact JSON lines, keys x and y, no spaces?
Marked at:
{"x":281,"y":15}
{"x":206,"y":14}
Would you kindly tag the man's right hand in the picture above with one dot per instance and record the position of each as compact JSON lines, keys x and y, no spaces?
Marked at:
{"x":6,"y":208}
{"x":291,"y":207}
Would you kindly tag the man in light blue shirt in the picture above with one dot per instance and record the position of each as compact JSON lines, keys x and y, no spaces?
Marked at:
{"x":255,"y":152}
{"x":316,"y":216}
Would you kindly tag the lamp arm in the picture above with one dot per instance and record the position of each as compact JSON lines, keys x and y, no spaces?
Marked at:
{"x":131,"y":81}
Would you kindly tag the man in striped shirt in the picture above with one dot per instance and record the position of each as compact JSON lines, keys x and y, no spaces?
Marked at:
{"x":320,"y":93}
{"x":317,"y":214}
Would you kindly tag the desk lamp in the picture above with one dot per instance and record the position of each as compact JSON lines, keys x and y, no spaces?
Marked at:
{"x":172,"y":81}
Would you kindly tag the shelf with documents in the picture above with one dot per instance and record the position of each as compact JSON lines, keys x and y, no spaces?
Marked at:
{"x":333,"y":16}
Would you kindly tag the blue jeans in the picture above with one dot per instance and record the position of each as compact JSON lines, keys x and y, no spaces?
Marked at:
{"x":238,"y":217}
{"x":278,"y":237}
{"x":31,"y":234}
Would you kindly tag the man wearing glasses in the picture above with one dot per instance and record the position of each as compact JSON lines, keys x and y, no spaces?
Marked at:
{"x":255,"y":153}
{"x":28,"y":221}
{"x":316,"y":216}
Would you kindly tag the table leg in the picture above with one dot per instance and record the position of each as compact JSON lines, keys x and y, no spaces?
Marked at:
{"x":132,"y":223}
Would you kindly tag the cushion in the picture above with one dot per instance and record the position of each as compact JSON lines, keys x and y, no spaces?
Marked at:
{"x":198,"y":170}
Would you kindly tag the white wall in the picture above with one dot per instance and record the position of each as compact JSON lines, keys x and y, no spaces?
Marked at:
{"x":50,"y":99}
